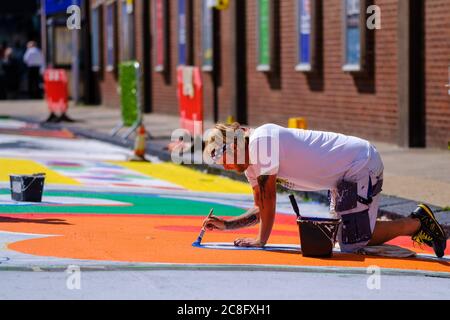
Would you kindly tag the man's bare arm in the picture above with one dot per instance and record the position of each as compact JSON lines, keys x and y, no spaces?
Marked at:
{"x":249,"y":219}
{"x":267,"y":204}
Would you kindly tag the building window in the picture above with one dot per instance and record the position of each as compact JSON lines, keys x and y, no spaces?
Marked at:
{"x":354,"y":35}
{"x":96,"y":38}
{"x":127,"y":23}
{"x":306,"y":34}
{"x":50,"y":45}
{"x":63,"y":46}
{"x":264,"y":34}
{"x":160,"y":34}
{"x":111,"y":36}
{"x":207,"y":35}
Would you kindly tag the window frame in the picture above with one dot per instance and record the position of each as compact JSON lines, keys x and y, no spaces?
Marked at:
{"x":127,"y":31}
{"x":160,"y":35}
{"x":111,"y":66}
{"x":361,"y":64}
{"x":188,"y":31}
{"x":99,"y":66}
{"x":311,"y":65}
{"x":261,"y":67}
{"x":207,"y":66}
{"x":62,"y":40}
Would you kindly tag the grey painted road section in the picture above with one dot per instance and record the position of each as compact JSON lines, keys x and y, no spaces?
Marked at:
{"x":213,"y":285}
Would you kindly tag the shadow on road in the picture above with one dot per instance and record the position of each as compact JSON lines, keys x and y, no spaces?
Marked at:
{"x":38,"y":221}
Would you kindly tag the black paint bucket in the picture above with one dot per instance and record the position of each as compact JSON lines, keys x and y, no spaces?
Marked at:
{"x":318,"y":236}
{"x":27,"y":188}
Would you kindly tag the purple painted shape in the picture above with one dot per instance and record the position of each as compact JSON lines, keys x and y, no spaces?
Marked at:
{"x":63,"y":164}
{"x":102,"y":171}
{"x":101,"y":178}
{"x":107,"y":165}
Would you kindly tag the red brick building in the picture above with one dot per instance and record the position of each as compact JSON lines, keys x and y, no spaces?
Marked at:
{"x":328,"y":61}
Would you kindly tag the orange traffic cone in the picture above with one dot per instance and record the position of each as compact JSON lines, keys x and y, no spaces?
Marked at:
{"x":139,"y":144}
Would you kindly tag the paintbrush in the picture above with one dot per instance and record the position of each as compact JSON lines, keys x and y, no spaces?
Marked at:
{"x":295,"y":206}
{"x":202,"y":232}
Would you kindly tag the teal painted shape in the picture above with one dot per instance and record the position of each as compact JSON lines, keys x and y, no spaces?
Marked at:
{"x":140,"y":204}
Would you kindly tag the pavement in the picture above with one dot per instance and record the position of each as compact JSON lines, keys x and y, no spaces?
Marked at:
{"x":124,"y":230}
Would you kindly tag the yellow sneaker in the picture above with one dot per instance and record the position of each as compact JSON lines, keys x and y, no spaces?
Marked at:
{"x":430,"y":233}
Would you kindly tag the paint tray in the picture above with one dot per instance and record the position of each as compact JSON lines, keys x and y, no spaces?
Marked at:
{"x":27,"y":188}
{"x":318,"y":236}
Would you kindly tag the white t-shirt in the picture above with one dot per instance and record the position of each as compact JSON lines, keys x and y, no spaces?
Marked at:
{"x":303,"y":159}
{"x":33,"y":57}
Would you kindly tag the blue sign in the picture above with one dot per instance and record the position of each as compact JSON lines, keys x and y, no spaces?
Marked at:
{"x":353,"y":46}
{"x":353,"y":32}
{"x":182,"y":33}
{"x":304,"y":31}
{"x":59,"y":6}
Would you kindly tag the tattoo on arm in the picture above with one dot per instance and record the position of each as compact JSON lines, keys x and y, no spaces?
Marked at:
{"x":262,"y":181}
{"x":249,"y":219}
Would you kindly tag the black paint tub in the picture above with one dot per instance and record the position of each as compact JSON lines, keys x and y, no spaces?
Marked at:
{"x":27,"y":188}
{"x":318,"y":236}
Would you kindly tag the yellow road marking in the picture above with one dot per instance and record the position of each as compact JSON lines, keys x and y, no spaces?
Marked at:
{"x":188,"y":178}
{"x":21,"y":166}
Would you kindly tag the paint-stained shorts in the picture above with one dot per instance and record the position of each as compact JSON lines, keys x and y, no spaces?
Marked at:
{"x":360,"y":221}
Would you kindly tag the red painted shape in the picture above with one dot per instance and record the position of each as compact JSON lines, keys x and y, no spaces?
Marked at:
{"x":406,"y":242}
{"x":62,"y":134}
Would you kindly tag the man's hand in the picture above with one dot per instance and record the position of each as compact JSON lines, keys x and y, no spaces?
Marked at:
{"x":248,"y":242}
{"x":214,"y":223}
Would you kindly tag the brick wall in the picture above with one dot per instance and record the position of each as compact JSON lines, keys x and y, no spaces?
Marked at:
{"x":336,"y":100}
{"x":437,"y":61}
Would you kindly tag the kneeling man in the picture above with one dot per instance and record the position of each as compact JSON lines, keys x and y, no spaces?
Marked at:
{"x":349,"y":167}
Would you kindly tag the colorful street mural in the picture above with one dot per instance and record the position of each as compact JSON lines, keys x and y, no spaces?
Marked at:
{"x":160,"y":224}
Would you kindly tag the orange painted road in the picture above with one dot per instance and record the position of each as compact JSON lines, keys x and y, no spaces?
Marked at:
{"x":168,"y":239}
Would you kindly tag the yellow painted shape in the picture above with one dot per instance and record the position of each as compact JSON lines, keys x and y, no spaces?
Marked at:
{"x":21,"y":166}
{"x":188,"y":178}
